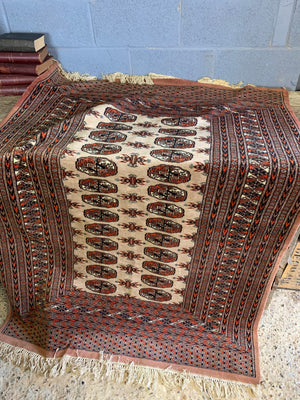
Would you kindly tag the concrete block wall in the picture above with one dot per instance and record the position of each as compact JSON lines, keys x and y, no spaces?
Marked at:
{"x":254,"y":41}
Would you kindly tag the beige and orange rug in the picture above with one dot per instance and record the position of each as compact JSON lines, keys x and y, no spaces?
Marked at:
{"x":145,"y":223}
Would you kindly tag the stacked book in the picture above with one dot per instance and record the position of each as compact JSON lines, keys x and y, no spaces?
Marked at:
{"x":23,"y":56}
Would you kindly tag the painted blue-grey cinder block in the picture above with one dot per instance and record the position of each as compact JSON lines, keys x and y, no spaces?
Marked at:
{"x":227,"y":39}
{"x":187,"y":64}
{"x":66,"y":22}
{"x":136,"y":22}
{"x":92,"y":61}
{"x":265,"y":67}
{"x":283,"y":21}
{"x":228,"y":23}
{"x":4,"y":27}
{"x":295,"y":29}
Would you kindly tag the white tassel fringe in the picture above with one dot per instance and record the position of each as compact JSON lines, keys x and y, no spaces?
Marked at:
{"x":128,"y":374}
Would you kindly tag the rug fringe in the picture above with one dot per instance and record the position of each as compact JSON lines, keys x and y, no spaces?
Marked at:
{"x":128,"y":374}
{"x":221,"y":82}
{"x":126,"y":78}
{"x":75,"y":76}
{"x":138,"y":79}
{"x":148,"y":79}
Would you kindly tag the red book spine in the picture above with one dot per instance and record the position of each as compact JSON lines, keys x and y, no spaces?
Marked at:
{"x":15,"y":79}
{"x":25,"y":69}
{"x":23,"y":58}
{"x":12,"y":90}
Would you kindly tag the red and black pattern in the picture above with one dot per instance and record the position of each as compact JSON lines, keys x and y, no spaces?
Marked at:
{"x":251,"y":200}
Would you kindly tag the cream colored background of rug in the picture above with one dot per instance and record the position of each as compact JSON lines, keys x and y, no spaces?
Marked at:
{"x":77,"y":379}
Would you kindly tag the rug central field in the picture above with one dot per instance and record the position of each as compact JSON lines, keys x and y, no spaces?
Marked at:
{"x":145,"y":223}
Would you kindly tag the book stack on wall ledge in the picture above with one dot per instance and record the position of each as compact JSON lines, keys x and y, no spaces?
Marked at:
{"x":23,"y":56}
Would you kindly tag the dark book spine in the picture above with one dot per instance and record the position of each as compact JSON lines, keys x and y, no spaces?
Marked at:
{"x":12,"y":90}
{"x":22,"y":41}
{"x":17,"y":46}
{"x":15,"y":79}
{"x":24,"y":69}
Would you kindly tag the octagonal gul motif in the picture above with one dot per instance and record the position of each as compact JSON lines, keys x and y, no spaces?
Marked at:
{"x":176,"y":156}
{"x":157,"y":281}
{"x":159,"y":239}
{"x":165,"y":256}
{"x":164,"y":225}
{"x":101,"y":215}
{"x":102,"y":229}
{"x":98,"y":185}
{"x":166,"y":209}
{"x":175,"y":142}
{"x":100,"y":200}
{"x":100,"y":286}
{"x":114,"y":127}
{"x":102,"y":243}
{"x":168,"y":193}
{"x":101,"y":258}
{"x":101,"y":149}
{"x":158,"y":268}
{"x":178,"y":132}
{"x":169,"y":173}
{"x":115,"y":115}
{"x":183,"y":121}
{"x":101,"y":271}
{"x":155,"y":294}
{"x":96,"y":166}
{"x":107,"y":136}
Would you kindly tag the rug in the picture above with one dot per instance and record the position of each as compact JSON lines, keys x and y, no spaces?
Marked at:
{"x":144,"y":223}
